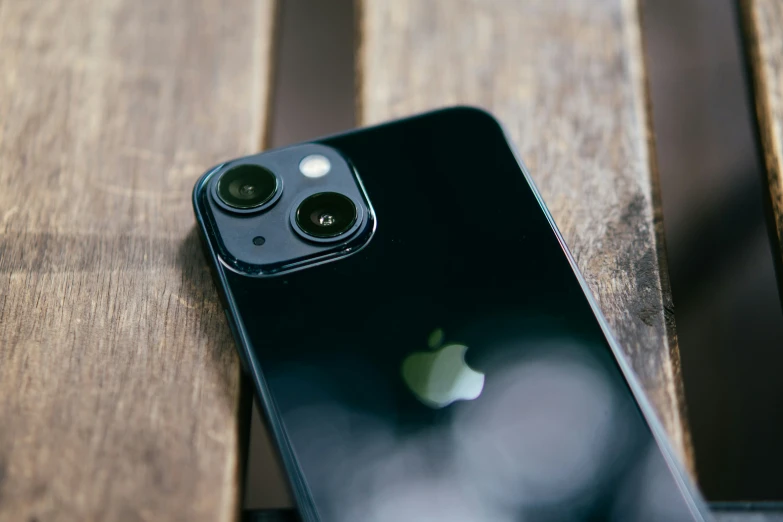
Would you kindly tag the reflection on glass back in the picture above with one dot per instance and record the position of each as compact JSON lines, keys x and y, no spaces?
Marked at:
{"x":452,"y":370}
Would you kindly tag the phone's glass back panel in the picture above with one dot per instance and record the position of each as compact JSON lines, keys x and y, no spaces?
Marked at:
{"x":362,"y":357}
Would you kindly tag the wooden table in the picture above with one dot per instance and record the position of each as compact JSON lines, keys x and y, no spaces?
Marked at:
{"x":763,"y":25}
{"x":121,"y":396}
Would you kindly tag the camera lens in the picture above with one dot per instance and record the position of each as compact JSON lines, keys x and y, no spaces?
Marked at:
{"x":326,"y":215}
{"x":247,"y":186}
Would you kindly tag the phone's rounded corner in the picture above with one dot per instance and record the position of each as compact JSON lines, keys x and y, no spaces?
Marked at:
{"x":475,"y":115}
{"x":200,"y":186}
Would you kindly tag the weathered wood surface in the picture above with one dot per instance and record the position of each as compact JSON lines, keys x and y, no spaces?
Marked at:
{"x":763,"y":29}
{"x":119,"y":385}
{"x":567,"y":80}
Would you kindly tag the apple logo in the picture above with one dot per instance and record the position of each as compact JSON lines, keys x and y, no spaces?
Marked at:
{"x":442,"y":376}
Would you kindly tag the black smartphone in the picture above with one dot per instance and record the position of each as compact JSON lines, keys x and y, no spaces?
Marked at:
{"x":421,"y":342}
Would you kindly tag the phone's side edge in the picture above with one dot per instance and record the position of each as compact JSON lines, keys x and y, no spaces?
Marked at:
{"x":300,"y":491}
{"x":696,"y":503}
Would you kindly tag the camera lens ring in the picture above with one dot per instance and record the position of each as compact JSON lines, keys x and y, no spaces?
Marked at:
{"x":310,"y":207}
{"x":263,"y":188}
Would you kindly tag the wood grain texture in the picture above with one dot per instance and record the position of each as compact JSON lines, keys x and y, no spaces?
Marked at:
{"x":566,"y":78}
{"x":763,"y":29}
{"x":119,"y":384}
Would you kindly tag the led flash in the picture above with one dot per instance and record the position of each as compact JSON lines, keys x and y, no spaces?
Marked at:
{"x":315,"y":166}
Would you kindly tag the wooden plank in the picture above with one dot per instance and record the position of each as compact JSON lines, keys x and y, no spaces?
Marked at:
{"x":119,"y":385}
{"x":763,"y":29}
{"x":567,"y":79}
